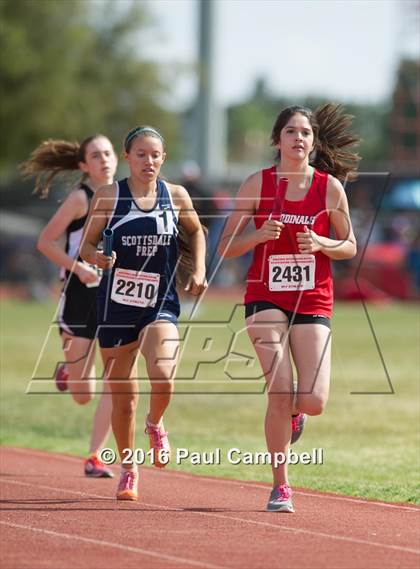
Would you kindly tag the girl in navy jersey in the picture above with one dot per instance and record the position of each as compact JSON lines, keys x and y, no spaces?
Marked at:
{"x":288,"y":302}
{"x":138,"y":303}
{"x":96,"y":160}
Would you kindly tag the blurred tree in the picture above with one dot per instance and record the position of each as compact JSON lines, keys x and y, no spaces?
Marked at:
{"x":70,"y":68}
{"x":405,"y":118}
{"x":371,"y":124}
{"x":250,"y":124}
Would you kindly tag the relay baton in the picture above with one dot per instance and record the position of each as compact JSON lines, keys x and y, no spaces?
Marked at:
{"x":107,"y":236}
{"x":278,"y":207}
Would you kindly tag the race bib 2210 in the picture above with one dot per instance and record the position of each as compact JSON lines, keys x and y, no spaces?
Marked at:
{"x":135,"y":288}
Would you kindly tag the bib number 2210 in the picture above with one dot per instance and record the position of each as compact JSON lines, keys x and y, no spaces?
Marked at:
{"x":135,"y":288}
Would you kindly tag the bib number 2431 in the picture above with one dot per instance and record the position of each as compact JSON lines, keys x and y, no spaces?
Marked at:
{"x":291,"y":272}
{"x":135,"y":288}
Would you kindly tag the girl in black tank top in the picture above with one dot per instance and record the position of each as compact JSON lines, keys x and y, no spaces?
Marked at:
{"x":95,"y":158}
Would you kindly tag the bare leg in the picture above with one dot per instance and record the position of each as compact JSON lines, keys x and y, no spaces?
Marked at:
{"x":268,"y":331}
{"x":160,"y":345}
{"x":102,"y":420}
{"x":120,"y":371}
{"x":80,"y":361}
{"x":311,"y":350}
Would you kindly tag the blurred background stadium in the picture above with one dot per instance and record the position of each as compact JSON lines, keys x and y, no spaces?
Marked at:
{"x":212,"y":75}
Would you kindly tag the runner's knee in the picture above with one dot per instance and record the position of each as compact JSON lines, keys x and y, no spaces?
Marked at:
{"x":82,"y":398}
{"x":279,"y":403}
{"x":125,"y":405}
{"x":162,"y":385}
{"x":313,"y":404}
{"x":161,"y":373}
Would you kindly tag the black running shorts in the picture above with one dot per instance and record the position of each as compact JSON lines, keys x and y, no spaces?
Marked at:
{"x":291,"y":317}
{"x":77,"y":312}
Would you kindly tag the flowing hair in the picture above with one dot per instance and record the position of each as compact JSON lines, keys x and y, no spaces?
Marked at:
{"x":334,"y":152}
{"x":334,"y":143}
{"x":54,"y":157}
{"x":185,"y":263}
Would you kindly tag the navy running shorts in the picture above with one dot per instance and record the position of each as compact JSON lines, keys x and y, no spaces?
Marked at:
{"x":121,"y":325}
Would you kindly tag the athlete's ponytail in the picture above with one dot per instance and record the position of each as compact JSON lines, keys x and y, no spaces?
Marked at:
{"x":333,"y":142}
{"x":54,"y":157}
{"x":185,"y":262}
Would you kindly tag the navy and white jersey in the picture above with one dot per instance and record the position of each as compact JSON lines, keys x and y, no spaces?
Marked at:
{"x":144,"y":274}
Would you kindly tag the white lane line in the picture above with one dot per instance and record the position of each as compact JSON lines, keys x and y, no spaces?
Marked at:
{"x":321,"y":496}
{"x":316,"y":533}
{"x":114,"y":545}
{"x":238,"y":519}
{"x":42,"y":454}
{"x":174,"y":473}
{"x":80,"y":493}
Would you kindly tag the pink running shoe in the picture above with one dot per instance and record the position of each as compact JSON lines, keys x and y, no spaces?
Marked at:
{"x":159,"y":442}
{"x":281,"y":499}
{"x":298,"y":424}
{"x":95,"y":468}
{"x":127,"y":487}
{"x":62,"y":378}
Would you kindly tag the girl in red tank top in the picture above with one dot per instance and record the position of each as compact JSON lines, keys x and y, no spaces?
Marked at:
{"x":295,"y":206}
{"x":311,"y":212}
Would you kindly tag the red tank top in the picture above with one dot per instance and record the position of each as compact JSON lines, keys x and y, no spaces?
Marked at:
{"x":311,"y":211}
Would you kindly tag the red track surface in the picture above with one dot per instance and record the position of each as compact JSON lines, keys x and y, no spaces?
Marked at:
{"x":53,"y":517}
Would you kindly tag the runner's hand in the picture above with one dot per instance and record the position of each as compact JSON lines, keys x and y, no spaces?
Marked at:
{"x":197,"y":283}
{"x":308,"y":241}
{"x":104,"y":262}
{"x":86,"y":273}
{"x":270,"y":229}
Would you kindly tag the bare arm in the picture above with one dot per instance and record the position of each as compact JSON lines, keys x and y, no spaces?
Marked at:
{"x":233,"y":243}
{"x":74,"y":207}
{"x":189,"y":220}
{"x":344,"y":245}
{"x":101,"y":209}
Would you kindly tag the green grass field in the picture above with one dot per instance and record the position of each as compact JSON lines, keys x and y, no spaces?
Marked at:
{"x":370,"y":439}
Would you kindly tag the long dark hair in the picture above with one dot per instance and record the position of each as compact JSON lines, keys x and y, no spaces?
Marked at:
{"x":54,"y":157}
{"x":185,"y":263}
{"x":333,"y":142}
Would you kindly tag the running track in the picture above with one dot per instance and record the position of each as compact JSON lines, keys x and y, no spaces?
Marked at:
{"x":53,"y":517}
